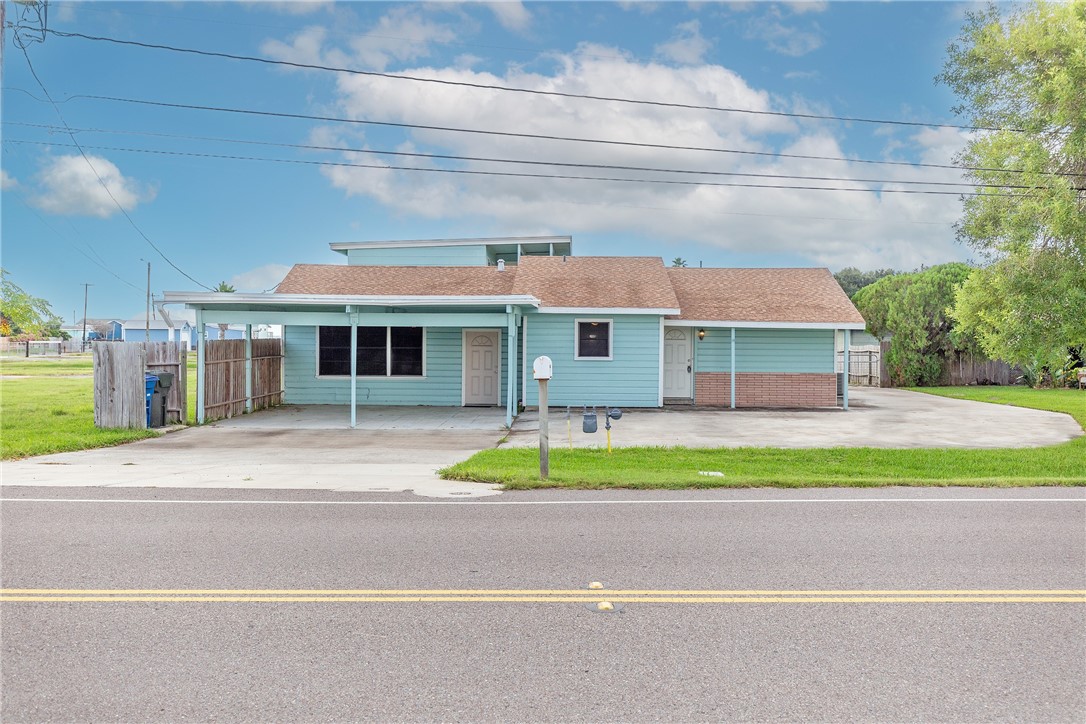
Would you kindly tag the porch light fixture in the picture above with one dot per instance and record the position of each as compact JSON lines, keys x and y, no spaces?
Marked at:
{"x":701,"y":334}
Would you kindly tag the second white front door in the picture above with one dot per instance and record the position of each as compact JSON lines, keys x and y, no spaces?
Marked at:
{"x":482,"y":367}
{"x":678,"y":360}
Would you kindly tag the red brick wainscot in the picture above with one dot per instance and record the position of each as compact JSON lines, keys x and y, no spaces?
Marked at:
{"x":767,"y":389}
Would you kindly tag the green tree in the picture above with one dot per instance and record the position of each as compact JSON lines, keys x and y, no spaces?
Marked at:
{"x":912,"y":308}
{"x":23,"y":313}
{"x":1024,"y":74}
{"x":853,"y":280}
{"x":225,"y":289}
{"x":678,"y":261}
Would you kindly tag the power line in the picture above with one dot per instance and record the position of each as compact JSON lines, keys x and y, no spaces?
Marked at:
{"x":513,"y":89}
{"x":510,"y":174}
{"x":105,"y":186}
{"x":535,"y":136}
{"x":526,"y":162}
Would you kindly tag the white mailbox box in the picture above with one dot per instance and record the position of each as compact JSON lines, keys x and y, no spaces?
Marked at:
{"x":542,"y":368}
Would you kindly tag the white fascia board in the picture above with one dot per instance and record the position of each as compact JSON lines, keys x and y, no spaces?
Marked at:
{"x":206,"y":298}
{"x":344,"y":246}
{"x":605,"y":310}
{"x":739,"y":324}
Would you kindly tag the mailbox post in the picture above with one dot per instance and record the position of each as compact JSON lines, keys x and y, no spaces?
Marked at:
{"x":542,"y":371}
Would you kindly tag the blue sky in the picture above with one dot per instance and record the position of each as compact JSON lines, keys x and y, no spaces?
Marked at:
{"x":246,"y":221}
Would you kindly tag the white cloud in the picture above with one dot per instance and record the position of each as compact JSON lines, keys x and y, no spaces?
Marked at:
{"x":7,"y":182}
{"x":801,"y":75}
{"x":779,"y":35}
{"x":68,"y":186}
{"x":292,"y":7}
{"x":63,"y":12}
{"x":802,"y":7}
{"x":402,"y":35}
{"x":645,"y":7}
{"x":834,"y":228}
{"x":511,"y":14}
{"x":260,"y":279}
{"x":687,"y":45}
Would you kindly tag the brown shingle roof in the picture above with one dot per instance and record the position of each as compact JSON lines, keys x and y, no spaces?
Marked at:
{"x":762,"y":295}
{"x":602,"y":282}
{"x":396,"y":280}
{"x":627,"y":282}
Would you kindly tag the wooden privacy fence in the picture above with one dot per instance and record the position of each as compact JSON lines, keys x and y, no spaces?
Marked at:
{"x":119,"y":390}
{"x":964,"y":369}
{"x":224,"y":376}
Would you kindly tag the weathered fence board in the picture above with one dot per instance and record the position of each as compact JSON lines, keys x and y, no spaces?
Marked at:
{"x":224,"y":376}
{"x":119,"y":392}
{"x":964,"y":369}
{"x":171,"y":357}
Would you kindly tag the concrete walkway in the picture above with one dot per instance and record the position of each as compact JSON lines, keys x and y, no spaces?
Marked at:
{"x":876,"y":418}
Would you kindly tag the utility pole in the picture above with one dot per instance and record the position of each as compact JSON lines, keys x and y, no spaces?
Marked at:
{"x":147,"y":320}
{"x":83,"y":345}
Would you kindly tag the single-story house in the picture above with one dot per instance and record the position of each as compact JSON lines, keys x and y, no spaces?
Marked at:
{"x":97,"y":329}
{"x":459,"y":323}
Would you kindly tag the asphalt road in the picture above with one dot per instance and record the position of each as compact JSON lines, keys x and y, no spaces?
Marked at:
{"x":841,"y":656}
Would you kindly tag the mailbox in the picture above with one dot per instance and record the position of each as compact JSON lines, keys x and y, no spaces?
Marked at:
{"x":542,"y":368}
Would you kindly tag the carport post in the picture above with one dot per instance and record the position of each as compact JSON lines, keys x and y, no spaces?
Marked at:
{"x":511,"y":364}
{"x":731,"y":377}
{"x":354,"y":372}
{"x":201,"y":334}
{"x":844,"y":367}
{"x":248,"y":368}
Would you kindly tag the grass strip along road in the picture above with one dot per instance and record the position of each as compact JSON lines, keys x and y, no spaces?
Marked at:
{"x":678,"y":467}
{"x":42,"y":595}
{"x":47,"y":405}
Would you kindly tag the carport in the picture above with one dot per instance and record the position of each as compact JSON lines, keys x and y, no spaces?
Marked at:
{"x":502,"y":313}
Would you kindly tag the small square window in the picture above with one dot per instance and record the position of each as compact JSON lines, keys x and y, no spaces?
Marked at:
{"x":593,"y":339}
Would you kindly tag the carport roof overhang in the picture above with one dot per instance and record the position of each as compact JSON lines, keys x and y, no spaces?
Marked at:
{"x":308,"y":309}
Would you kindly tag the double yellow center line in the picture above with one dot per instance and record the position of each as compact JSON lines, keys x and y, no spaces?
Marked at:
{"x":27,"y":595}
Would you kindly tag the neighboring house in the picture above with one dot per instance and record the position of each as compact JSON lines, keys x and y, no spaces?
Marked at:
{"x":459,"y":322}
{"x":159,"y":330}
{"x":110,"y":330}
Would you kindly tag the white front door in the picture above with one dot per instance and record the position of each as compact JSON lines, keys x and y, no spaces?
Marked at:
{"x":677,"y":362}
{"x":482,"y":367}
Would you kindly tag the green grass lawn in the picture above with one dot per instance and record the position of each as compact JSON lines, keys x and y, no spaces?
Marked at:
{"x":641,"y":467}
{"x":50,"y":411}
{"x":47,"y":366}
{"x":44,"y":415}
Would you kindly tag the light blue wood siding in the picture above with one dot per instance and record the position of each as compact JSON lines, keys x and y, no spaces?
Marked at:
{"x":441,"y":386}
{"x":630,"y":379}
{"x":766,"y":350}
{"x":473,"y":255}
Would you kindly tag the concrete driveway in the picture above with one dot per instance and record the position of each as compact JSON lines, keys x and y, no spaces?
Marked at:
{"x":876,"y":418}
{"x":307,"y":448}
{"x":399,"y":449}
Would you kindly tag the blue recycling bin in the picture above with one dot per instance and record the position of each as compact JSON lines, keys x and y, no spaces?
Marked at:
{"x":149,"y":382}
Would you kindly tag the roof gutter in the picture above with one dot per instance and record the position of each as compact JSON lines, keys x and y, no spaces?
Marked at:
{"x":200,"y":299}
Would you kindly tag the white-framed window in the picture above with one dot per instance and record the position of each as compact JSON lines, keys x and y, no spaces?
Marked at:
{"x":381,"y":352}
{"x":592,"y":339}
